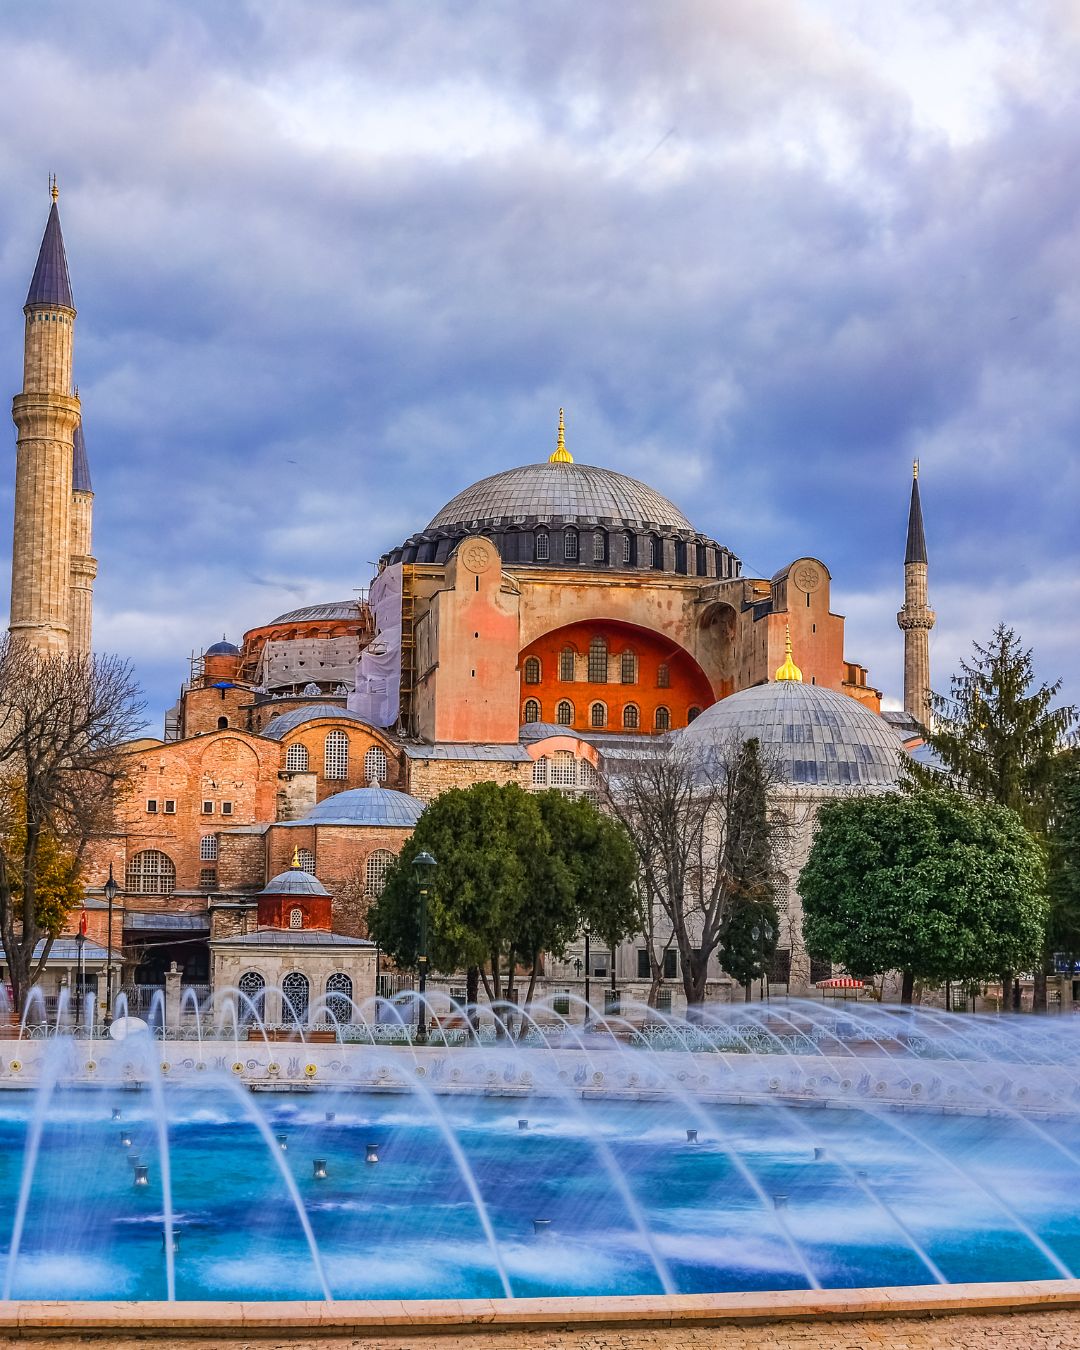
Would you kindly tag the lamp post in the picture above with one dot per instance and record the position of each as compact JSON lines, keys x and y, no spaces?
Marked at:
{"x":762,"y":934}
{"x":80,"y":943}
{"x":111,"y":889}
{"x":588,"y":981}
{"x":424,"y":865}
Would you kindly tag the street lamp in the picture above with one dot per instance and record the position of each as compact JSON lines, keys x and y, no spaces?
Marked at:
{"x":762,"y":934}
{"x":588,"y":980}
{"x":111,"y":889}
{"x":80,"y":943}
{"x":424,"y":865}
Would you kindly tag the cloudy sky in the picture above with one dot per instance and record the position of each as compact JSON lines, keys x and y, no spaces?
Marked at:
{"x":335,"y":259}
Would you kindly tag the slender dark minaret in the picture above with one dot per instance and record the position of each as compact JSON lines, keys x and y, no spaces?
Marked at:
{"x":916,"y":618}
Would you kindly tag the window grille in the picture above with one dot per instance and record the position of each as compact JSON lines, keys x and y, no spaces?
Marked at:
{"x":598,"y":661}
{"x":296,"y":917}
{"x":208,"y":879}
{"x":543,"y":546}
{"x":566,"y":664}
{"x":587,"y":775}
{"x":564,"y":714}
{"x":627,"y":548}
{"x":540,"y":772}
{"x":336,"y":756}
{"x":378,"y":864}
{"x":532,"y":670}
{"x":570,"y":545}
{"x":532,"y":710}
{"x":630,"y":717}
{"x":151,"y":873}
{"x":208,"y":847}
{"x":598,"y":546}
{"x":598,"y":715}
{"x":628,"y":668}
{"x":663,"y":676}
{"x":306,"y":859}
{"x":662,"y":719}
{"x":562,"y":769}
{"x":253,"y":985}
{"x":339,"y":996}
{"x":296,"y":989}
{"x":296,"y":759}
{"x":375,"y":765}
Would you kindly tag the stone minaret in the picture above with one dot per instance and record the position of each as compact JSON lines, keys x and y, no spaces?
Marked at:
{"x":46,"y":414}
{"x":916,"y":618}
{"x":83,"y":565}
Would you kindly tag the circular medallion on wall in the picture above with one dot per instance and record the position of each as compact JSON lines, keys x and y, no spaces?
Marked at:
{"x":477,"y":555}
{"x":807,"y":577}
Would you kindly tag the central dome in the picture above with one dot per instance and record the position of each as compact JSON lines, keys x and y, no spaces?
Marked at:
{"x":560,"y":491}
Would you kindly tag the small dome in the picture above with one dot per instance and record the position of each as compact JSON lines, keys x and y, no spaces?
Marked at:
{"x":294,"y":882}
{"x":367,"y":806}
{"x":820,"y":738}
{"x":276,"y":728}
{"x":222,"y":648}
{"x":335,"y":609}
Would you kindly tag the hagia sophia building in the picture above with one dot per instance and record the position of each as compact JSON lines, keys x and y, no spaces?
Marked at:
{"x":549,"y":619}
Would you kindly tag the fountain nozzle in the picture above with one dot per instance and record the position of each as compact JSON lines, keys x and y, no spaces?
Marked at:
{"x":372,"y":1153}
{"x":142,"y":1174}
{"x":691,"y":1136}
{"x":116,"y":1113}
{"x":331,"y":1116}
{"x":819,"y":1153}
{"x":125,"y":1139}
{"x":779,"y":1201}
{"x":175,"y":1241}
{"x":283,"y":1142}
{"x":523,"y":1124}
{"x":319,"y":1168}
{"x":541,"y":1227}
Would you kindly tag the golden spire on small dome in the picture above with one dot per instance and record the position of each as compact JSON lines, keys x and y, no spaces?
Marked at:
{"x":560,"y":455}
{"x":296,"y":858}
{"x":789,"y":670}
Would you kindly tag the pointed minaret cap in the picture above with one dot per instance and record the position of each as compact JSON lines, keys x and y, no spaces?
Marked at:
{"x":916,"y":537}
{"x":560,"y":455}
{"x":80,"y":465}
{"x":789,"y":670}
{"x":51,"y":284}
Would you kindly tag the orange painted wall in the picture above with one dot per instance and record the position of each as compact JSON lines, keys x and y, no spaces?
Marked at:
{"x":689,"y":688}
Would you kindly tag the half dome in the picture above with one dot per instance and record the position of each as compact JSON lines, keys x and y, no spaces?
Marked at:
{"x":366,"y":806}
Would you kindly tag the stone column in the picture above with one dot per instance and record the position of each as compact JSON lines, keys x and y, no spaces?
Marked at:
{"x":172,"y":997}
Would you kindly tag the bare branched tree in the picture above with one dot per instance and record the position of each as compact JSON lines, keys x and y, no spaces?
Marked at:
{"x":63,"y":721}
{"x":705,"y":839}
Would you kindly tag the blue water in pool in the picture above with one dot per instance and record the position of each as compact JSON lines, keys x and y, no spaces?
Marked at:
{"x":407,"y":1227}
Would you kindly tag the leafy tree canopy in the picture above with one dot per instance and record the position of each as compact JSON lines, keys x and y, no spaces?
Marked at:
{"x":1063,"y":856}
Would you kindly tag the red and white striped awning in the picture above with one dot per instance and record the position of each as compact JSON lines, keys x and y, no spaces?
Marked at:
{"x":840,"y":982}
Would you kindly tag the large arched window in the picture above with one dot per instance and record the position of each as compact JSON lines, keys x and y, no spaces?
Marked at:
{"x":532,"y":670}
{"x":339,"y":996}
{"x":566,"y":664}
{"x":564,"y":713}
{"x":543,"y":546}
{"x":253,"y":985}
{"x":336,"y":755}
{"x":375,"y":765}
{"x":628,"y":667}
{"x":598,"y":661}
{"x":208,"y":848}
{"x":378,"y":864}
{"x":631,"y":718}
{"x":296,"y":989}
{"x":151,"y":873}
{"x":570,"y":545}
{"x":532,"y":711}
{"x":306,"y":859}
{"x":662,"y":719}
{"x":598,"y":715}
{"x":562,"y":769}
{"x":296,"y":758}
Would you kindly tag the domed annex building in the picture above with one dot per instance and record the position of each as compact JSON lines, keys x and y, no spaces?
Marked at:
{"x":548,"y":619}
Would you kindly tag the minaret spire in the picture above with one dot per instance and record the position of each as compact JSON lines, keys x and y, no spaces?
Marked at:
{"x":916,"y":618}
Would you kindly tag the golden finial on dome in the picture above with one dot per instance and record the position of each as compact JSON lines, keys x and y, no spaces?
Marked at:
{"x":54,"y":191}
{"x":789,"y":670}
{"x":915,"y":469}
{"x":560,"y":455}
{"x":296,"y":858}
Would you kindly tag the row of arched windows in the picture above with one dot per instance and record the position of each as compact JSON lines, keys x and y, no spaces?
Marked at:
{"x":594,"y":548}
{"x":336,"y":759}
{"x":598,"y":666}
{"x":598,"y":715}
{"x":296,"y":996}
{"x":152,"y":872}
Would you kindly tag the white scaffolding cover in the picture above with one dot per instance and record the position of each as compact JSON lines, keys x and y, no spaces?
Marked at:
{"x":377,"y":696}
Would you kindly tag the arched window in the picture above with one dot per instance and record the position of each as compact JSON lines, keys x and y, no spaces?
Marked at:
{"x":662,"y":719}
{"x":208,"y":848}
{"x":587,"y":775}
{"x":378,"y":864}
{"x":296,"y":917}
{"x":631,"y":718}
{"x":628,"y":668}
{"x":564,"y":713}
{"x":543,"y":546}
{"x":654,"y":551}
{"x":562,"y":769}
{"x":375,"y":765}
{"x":598,"y":715}
{"x":566,"y":664}
{"x":222,"y":723}
{"x":336,"y":755}
{"x":253,"y":985}
{"x":296,"y":759}
{"x":570,"y":545}
{"x":540,"y":772}
{"x":295,"y":997}
{"x":151,"y":873}
{"x":598,"y":549}
{"x":694,"y":712}
{"x":306,"y":859}
{"x":598,"y":661}
{"x":663,"y":676}
{"x":532,"y":670}
{"x":627,"y":548}
{"x":339,"y":996}
{"x":532,"y":711}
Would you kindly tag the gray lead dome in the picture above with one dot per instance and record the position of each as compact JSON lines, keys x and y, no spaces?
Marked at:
{"x":821,"y":738}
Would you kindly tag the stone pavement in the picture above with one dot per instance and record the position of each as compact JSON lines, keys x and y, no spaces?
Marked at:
{"x":1057,"y":1329}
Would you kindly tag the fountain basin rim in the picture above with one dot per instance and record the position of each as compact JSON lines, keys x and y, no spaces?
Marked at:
{"x":315,"y":1318}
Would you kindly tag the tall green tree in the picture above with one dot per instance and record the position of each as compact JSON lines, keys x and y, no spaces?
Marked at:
{"x":1063,"y":859}
{"x":933,"y":883}
{"x":749,"y":943}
